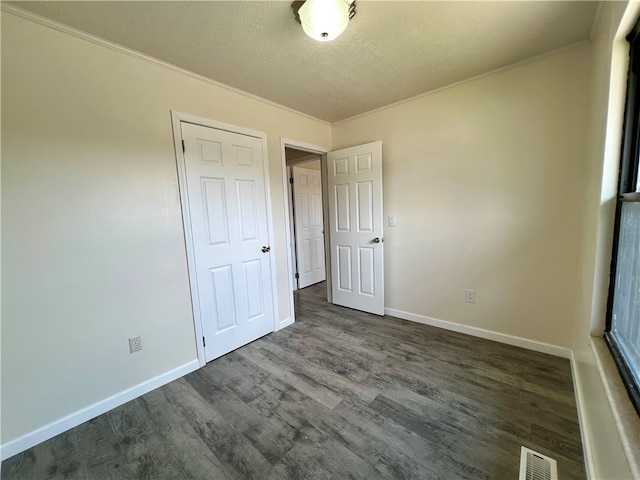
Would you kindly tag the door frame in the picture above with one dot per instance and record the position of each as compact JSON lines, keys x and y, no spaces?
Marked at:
{"x":176,"y":119}
{"x":322,"y":153}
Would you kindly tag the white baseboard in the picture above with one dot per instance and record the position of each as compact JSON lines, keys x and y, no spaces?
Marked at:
{"x":482,"y":333}
{"x":49,"y":431}
{"x":582,"y":420}
{"x":55,"y":428}
{"x":284,"y":323}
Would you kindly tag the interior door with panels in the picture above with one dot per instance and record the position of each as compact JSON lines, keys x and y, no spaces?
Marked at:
{"x":309,"y":227}
{"x":355,"y":219}
{"x":227,"y":206}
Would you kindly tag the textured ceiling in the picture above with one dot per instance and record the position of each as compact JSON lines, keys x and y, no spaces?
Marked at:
{"x":390,"y":51}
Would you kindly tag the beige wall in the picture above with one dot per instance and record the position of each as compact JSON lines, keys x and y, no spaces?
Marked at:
{"x":93,"y":249}
{"x":608,"y":86}
{"x":486,"y":180}
{"x":491,"y":181}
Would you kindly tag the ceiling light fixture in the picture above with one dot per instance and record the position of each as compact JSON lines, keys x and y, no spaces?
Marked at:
{"x":324,"y":20}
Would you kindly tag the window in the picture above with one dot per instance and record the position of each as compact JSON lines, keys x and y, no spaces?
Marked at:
{"x":623,"y":312}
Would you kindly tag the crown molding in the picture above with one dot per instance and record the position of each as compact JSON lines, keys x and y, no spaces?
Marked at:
{"x":61,"y":27}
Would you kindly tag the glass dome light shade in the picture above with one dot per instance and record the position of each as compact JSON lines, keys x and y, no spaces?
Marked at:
{"x":324,"y":20}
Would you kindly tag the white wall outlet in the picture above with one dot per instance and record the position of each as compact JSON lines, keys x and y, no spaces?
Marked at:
{"x":135,"y":344}
{"x":470,"y":296}
{"x":392,"y":220}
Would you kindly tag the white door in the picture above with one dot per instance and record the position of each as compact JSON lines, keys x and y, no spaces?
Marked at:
{"x":355,"y":218}
{"x":225,"y":183}
{"x":307,"y":205}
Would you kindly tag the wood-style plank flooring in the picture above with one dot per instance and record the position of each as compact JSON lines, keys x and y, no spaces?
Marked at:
{"x":338,"y":395}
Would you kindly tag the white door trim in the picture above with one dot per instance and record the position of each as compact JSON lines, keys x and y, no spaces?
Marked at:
{"x":307,"y":147}
{"x":176,"y":118}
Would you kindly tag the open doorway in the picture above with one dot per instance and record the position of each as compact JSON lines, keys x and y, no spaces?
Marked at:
{"x":305,"y":158}
{"x":306,"y":218}
{"x":353,"y":223}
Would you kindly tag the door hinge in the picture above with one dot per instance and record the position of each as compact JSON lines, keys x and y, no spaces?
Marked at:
{"x":183,"y":146}
{"x":290,"y":179}
{"x":297,"y":275}
{"x":204,"y":342}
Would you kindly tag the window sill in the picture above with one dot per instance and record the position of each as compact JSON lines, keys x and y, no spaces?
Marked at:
{"x":625,"y":415}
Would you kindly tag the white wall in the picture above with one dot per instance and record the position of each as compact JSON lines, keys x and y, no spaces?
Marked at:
{"x":93,"y":248}
{"x":486,"y":181}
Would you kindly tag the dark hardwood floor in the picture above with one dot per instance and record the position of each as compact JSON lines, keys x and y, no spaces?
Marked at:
{"x":340,"y":394}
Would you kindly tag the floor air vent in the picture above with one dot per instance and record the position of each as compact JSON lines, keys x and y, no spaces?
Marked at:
{"x":535,"y":466}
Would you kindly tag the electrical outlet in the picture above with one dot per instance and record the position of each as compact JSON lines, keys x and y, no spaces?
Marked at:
{"x":135,"y":344}
{"x":470,"y":296}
